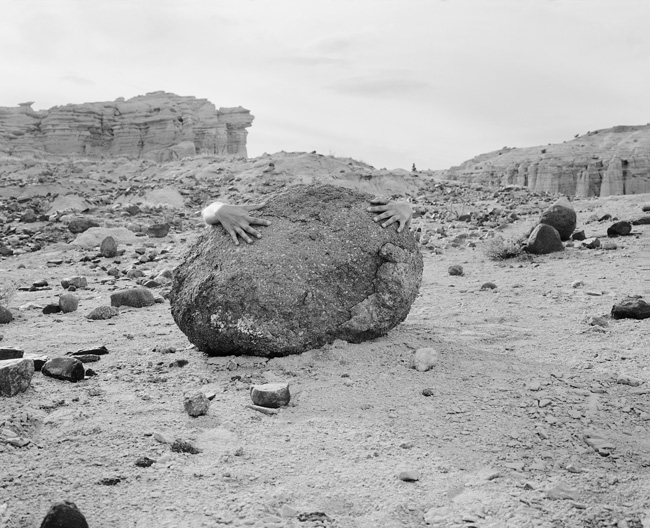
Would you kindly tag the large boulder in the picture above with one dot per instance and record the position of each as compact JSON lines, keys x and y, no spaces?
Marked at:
{"x":322,"y":271}
{"x":562,"y":216}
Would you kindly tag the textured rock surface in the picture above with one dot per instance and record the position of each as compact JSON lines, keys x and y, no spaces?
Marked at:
{"x":135,"y":297}
{"x":15,"y":376}
{"x":543,"y":240}
{"x":562,"y":216}
{"x":323,"y":270}
{"x":599,"y":163}
{"x":158,"y":126}
{"x":64,"y":368}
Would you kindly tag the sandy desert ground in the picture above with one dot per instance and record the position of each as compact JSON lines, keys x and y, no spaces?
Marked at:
{"x":533,"y":377}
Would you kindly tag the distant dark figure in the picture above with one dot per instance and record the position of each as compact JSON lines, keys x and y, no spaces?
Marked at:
{"x":64,"y":514}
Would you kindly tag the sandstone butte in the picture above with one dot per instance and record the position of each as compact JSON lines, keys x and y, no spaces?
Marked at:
{"x":158,"y":126}
{"x":599,"y":163}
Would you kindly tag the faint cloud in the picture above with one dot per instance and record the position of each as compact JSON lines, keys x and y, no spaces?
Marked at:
{"x":379,"y":86}
{"x":313,"y":60}
{"x":75,"y":79}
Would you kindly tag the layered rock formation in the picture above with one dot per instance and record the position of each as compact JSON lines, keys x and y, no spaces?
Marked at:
{"x":158,"y":126}
{"x":600,"y":163}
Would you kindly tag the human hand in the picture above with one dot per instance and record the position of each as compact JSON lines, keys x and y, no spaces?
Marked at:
{"x":400,"y":212}
{"x":235,"y":220}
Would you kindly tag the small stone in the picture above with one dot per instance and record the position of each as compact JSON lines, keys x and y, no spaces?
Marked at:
{"x":15,"y":376}
{"x":608,"y":245}
{"x":409,"y":476}
{"x":161,"y":437}
{"x":64,"y":368}
{"x":183,"y":446}
{"x":272,"y":395}
{"x":591,"y":243}
{"x":11,"y":353}
{"x":79,"y":225}
{"x":424,"y":359}
{"x":51,"y":309}
{"x":196,"y":404}
{"x":626,"y":380}
{"x":577,"y":284}
{"x":108,"y":248}
{"x":40,"y":284}
{"x":562,"y":491}
{"x":5,"y":315}
{"x":68,"y":302}
{"x":578,"y":235}
{"x":144,"y":462}
{"x":103,"y":312}
{"x":135,"y":297}
{"x":79,"y":283}
{"x":621,"y":228}
{"x":631,"y":308}
{"x":87,"y":358}
{"x":488,"y":286}
{"x":456,"y":269}
{"x":134,"y":274}
{"x":64,"y":514}
{"x":158,"y":230}
{"x":427,"y":392}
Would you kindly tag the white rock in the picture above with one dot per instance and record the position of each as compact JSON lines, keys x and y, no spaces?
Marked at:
{"x":424,"y":359}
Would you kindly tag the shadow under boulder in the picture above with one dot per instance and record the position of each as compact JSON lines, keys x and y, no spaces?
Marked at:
{"x":322,"y":271}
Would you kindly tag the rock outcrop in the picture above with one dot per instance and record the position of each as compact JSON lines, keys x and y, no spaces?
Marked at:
{"x":322,"y":271}
{"x":158,"y":126}
{"x":600,"y":163}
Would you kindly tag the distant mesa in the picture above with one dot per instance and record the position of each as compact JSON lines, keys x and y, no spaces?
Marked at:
{"x":158,"y":126}
{"x":599,"y":163}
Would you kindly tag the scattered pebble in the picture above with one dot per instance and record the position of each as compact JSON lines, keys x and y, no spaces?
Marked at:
{"x":15,"y":376}
{"x":456,"y":269}
{"x":5,"y":315}
{"x":135,"y":298}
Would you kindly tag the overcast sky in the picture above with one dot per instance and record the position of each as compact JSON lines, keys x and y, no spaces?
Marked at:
{"x":388,"y":82}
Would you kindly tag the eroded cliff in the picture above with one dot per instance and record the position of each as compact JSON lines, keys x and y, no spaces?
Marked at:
{"x":158,"y":126}
{"x":600,"y":163}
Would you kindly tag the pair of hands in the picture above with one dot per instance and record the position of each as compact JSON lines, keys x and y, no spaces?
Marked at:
{"x":238,"y":222}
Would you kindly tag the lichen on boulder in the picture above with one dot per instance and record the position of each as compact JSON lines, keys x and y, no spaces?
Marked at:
{"x":322,"y":271}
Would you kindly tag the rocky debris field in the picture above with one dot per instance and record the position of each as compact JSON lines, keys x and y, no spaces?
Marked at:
{"x":509,"y":397}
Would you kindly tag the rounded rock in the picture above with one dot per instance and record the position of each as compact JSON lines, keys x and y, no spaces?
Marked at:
{"x":621,"y":228}
{"x":562,"y":216}
{"x":5,"y":315}
{"x":456,"y":270}
{"x":64,"y":368}
{"x":103,"y":312}
{"x":543,"y":240}
{"x":108,"y":247}
{"x":322,"y":271}
{"x":135,"y":298}
{"x":424,"y":359}
{"x":64,"y":514}
{"x":68,"y":302}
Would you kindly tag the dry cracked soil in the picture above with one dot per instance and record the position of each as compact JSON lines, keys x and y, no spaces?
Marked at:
{"x":536,"y":414}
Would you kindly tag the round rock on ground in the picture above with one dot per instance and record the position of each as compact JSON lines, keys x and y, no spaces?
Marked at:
{"x":68,"y":302}
{"x":135,"y":298}
{"x":562,"y":217}
{"x":322,"y":271}
{"x":5,"y":315}
{"x":543,"y":240}
{"x":196,"y":404}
